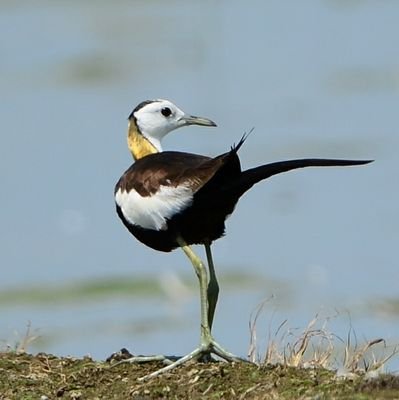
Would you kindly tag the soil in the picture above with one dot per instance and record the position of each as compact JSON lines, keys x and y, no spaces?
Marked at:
{"x":47,"y":377}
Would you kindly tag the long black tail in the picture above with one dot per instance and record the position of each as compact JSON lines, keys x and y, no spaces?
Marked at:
{"x":249,"y":177}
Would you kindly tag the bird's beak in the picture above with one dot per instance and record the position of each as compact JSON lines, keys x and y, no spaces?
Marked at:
{"x":193,"y":120}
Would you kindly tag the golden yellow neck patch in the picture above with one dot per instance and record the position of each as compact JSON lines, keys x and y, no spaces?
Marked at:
{"x":138,"y":145}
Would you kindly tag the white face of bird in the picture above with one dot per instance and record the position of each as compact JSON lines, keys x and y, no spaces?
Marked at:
{"x":157,"y":118}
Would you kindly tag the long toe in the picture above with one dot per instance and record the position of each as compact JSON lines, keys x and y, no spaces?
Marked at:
{"x":202,"y":354}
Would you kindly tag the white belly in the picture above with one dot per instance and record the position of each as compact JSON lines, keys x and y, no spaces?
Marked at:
{"x":152,"y":212}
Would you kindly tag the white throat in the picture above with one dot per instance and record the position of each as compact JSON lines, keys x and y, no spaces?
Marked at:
{"x":155,"y":142}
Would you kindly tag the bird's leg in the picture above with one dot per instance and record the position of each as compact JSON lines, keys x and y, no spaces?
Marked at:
{"x":202,"y":275}
{"x":208,"y":344}
{"x":213,"y":286}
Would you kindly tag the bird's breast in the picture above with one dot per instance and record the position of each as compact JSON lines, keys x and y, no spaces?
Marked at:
{"x":154,"y":210}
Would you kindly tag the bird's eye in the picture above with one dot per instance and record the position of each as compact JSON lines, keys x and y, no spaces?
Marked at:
{"x":166,"y":111}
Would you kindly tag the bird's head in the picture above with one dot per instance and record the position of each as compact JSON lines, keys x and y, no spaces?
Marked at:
{"x":156,"y":118}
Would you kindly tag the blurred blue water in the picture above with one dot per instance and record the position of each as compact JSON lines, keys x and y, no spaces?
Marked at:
{"x":317,"y":79}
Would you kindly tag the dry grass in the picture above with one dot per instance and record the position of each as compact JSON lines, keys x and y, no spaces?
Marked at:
{"x":362,"y":358}
{"x":21,"y":343}
{"x":316,"y":346}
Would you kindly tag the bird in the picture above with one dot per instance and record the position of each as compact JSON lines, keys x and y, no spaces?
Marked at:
{"x":171,"y":199}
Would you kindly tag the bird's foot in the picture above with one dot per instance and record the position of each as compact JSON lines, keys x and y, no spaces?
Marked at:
{"x":167,"y":360}
{"x":202,"y":353}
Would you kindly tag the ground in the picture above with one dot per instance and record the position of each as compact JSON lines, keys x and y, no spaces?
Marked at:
{"x":43,"y":376}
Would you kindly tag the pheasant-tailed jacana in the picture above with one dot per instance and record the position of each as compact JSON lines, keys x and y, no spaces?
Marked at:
{"x":170,"y":199}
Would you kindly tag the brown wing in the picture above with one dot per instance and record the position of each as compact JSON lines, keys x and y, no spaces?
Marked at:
{"x":170,"y":168}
